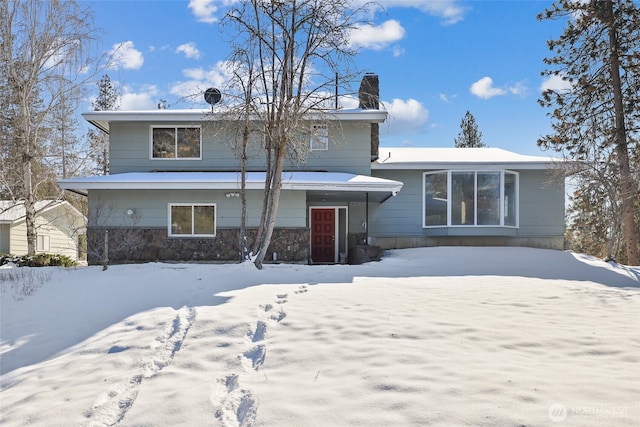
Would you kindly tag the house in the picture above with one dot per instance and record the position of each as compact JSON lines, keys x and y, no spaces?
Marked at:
{"x":60,"y":228}
{"x":468,"y":196}
{"x":174,"y":186}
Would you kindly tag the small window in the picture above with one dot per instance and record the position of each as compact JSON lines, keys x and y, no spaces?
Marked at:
{"x":43,"y":243}
{"x":320,"y":137}
{"x":192,"y":220}
{"x":174,"y":142}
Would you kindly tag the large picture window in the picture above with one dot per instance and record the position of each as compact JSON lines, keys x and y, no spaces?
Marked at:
{"x":192,"y":220}
{"x":470,"y":198}
{"x":172,"y":142}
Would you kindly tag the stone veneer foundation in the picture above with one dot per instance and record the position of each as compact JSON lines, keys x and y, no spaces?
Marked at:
{"x":128,"y":245}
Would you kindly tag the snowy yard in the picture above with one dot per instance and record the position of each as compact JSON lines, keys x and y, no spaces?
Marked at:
{"x":445,"y":336}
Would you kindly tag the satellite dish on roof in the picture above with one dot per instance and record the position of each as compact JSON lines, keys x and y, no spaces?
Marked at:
{"x":212,"y":96}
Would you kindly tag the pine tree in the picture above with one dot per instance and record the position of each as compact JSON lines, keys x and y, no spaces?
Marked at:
{"x":599,"y":55}
{"x":469,"y":135}
{"x":107,"y":100}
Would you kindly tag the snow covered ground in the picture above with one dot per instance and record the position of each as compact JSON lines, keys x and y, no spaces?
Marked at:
{"x":445,"y":336}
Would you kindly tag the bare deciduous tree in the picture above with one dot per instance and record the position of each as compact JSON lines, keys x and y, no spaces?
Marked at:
{"x":42,"y":42}
{"x":296,"y":48}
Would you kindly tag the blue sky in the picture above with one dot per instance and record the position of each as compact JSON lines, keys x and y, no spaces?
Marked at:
{"x":435,"y":60}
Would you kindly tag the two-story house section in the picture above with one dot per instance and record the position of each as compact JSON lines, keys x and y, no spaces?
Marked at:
{"x":173,"y":192}
{"x":174,"y":183}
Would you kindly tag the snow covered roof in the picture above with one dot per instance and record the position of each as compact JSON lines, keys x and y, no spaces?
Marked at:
{"x":102,"y":119}
{"x":319,"y":181}
{"x":11,"y":211}
{"x":457,"y":158}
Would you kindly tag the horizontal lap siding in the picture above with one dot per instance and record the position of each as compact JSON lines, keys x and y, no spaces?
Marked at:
{"x":151,"y":207}
{"x":19,"y":239}
{"x":541,"y":205}
{"x":349,"y":151}
{"x":541,"y":209}
{"x":400,"y":215}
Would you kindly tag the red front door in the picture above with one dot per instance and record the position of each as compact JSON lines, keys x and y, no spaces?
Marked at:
{"x":323,"y":235}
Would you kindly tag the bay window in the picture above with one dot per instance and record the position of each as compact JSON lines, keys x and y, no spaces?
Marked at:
{"x":470,"y":198}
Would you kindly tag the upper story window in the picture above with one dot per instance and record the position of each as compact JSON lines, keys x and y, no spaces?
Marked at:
{"x":470,"y":198}
{"x":175,"y":142}
{"x":319,"y":137}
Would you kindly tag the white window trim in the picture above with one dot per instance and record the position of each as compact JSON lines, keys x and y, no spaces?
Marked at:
{"x":317,"y":136}
{"x":152,"y":127}
{"x":192,"y":205}
{"x":475,"y":213}
{"x":43,"y":243}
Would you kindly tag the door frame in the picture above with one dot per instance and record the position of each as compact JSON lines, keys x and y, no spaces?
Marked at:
{"x":344,"y":237}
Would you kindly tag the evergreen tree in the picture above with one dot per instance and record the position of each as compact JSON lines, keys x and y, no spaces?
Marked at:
{"x":469,"y":135}
{"x":599,"y":55}
{"x":107,"y":100}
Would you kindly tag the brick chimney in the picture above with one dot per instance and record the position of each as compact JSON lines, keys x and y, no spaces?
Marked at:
{"x":369,"y":99}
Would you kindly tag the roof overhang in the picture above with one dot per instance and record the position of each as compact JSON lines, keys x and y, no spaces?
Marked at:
{"x":459,"y":159}
{"x":319,"y":182}
{"x":102,"y":119}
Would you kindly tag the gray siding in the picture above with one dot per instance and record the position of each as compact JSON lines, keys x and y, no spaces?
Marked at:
{"x":4,"y":238}
{"x":349,"y":150}
{"x":151,"y":207}
{"x":541,"y":209}
{"x":541,"y":205}
{"x":400,"y":215}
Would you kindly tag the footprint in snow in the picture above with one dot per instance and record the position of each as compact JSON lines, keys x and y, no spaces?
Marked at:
{"x":237,"y":407}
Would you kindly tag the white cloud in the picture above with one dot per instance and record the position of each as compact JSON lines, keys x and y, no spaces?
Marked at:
{"x":484,"y":89}
{"x":408,"y":116}
{"x":145,"y":99}
{"x":447,"y":98}
{"x":519,"y":89}
{"x":125,"y":55}
{"x":198,"y":80}
{"x":189,"y":49}
{"x":377,"y":37}
{"x":206,"y":10}
{"x":555,"y":83}
{"x":398,"y":51}
{"x":405,"y":116}
{"x":449,"y":11}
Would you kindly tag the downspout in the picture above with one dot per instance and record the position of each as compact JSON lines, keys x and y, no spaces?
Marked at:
{"x":366,"y":219}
